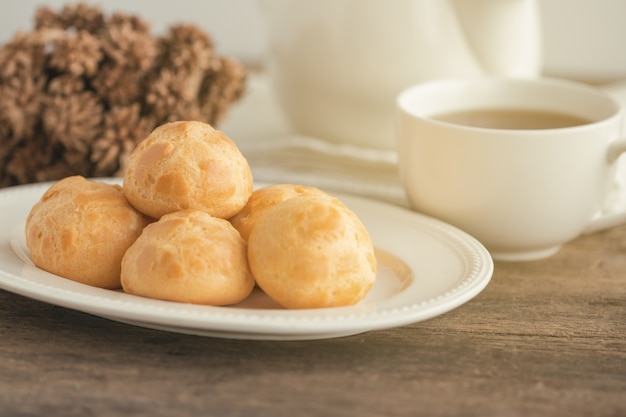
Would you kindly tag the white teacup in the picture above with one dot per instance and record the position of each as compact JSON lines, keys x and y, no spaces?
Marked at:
{"x":522,"y":192}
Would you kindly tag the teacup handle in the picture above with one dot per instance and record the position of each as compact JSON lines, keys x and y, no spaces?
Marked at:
{"x":606,"y":220}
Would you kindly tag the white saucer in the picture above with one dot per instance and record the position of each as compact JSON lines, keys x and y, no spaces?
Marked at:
{"x":426,"y":268}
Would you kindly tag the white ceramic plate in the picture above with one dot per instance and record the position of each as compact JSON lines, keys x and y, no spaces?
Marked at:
{"x":426,"y":268}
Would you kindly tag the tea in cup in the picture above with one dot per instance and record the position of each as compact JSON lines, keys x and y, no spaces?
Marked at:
{"x":524,"y":165}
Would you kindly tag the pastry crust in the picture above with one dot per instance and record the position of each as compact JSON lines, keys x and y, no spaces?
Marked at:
{"x":312,"y":252}
{"x":188,"y":256}
{"x":263,"y":199}
{"x":187,"y":165}
{"x":80,"y":230}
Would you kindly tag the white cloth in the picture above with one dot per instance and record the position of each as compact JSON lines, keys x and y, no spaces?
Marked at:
{"x":278,"y":155}
{"x":332,"y":167}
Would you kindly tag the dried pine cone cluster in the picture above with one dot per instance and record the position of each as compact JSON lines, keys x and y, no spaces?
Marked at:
{"x":79,"y":91}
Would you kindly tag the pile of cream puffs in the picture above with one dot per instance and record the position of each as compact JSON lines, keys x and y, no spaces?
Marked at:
{"x":186,"y":225}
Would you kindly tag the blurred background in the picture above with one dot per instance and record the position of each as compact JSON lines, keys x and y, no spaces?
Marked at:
{"x":582,"y":39}
{"x":283,"y":137}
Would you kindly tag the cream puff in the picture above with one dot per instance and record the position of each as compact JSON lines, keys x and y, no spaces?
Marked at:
{"x":312,"y":252}
{"x":187,"y":165}
{"x":264,"y":198}
{"x":80,"y":230}
{"x":191,"y":257}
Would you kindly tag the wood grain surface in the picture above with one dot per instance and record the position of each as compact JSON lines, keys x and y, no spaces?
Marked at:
{"x":545,"y":338}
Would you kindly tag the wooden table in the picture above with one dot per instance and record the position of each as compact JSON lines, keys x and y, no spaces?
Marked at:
{"x":544,"y":338}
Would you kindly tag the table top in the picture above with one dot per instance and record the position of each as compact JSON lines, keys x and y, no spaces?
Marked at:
{"x":544,"y":338}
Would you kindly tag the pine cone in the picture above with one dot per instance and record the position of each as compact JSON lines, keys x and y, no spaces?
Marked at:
{"x":124,"y":127}
{"x":82,"y":89}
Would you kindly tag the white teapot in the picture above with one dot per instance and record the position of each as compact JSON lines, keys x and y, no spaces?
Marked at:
{"x":337,"y":65}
